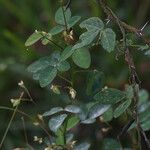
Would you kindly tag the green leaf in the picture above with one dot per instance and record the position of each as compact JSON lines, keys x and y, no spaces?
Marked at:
{"x":68,"y":51}
{"x":143,"y":47}
{"x":40,"y":64}
{"x":97,"y":111}
{"x":72,"y":109}
{"x":82,"y":58}
{"x":53,"y":111}
{"x":108,"y":39}
{"x":122,"y":108}
{"x":93,"y":23}
{"x":110,"y":144}
{"x":56,"y":122}
{"x":86,"y":39}
{"x":59,"y":16}
{"x":109,"y":96}
{"x":72,"y":121}
{"x":63,"y":66}
{"x":33,"y":39}
{"x":47,"y":75}
{"x":95,"y":82}
{"x":146,"y":125}
{"x":57,"y":29}
{"x":108,"y":115}
{"x":46,"y":39}
{"x":143,"y":96}
{"x":88,"y":121}
{"x":94,"y":26}
{"x":147,"y":53}
{"x":60,"y":140}
{"x":129,"y":91}
{"x":72,"y":21}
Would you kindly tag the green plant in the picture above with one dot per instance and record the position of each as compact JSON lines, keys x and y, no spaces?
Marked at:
{"x":104,"y":103}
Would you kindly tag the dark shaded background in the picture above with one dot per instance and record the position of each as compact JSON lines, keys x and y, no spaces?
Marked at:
{"x":19,"y":18}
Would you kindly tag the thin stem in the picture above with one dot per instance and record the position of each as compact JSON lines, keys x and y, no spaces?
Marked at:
{"x":52,"y":41}
{"x":65,"y":79}
{"x":64,"y":16}
{"x":25,"y":134}
{"x":28,"y":93}
{"x":21,"y":112}
{"x":24,"y":128}
{"x":10,"y":122}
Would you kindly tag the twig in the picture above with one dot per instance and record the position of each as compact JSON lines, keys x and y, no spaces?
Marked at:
{"x":127,"y":27}
{"x":65,"y":79}
{"x":134,"y":80}
{"x":68,"y":4}
{"x":25,"y":134}
{"x":10,"y":122}
{"x":19,"y":111}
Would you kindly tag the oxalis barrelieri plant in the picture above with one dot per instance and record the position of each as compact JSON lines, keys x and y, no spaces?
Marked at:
{"x":106,"y":104}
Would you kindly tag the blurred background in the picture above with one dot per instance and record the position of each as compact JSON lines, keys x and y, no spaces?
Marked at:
{"x":19,"y":18}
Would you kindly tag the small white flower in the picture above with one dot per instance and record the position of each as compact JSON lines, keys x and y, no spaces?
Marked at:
{"x":21,"y":83}
{"x":36,"y":123}
{"x":72,"y":93}
{"x":15,"y":102}
{"x":37,"y":139}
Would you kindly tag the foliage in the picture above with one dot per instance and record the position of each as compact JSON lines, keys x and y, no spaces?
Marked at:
{"x":104,"y":103}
